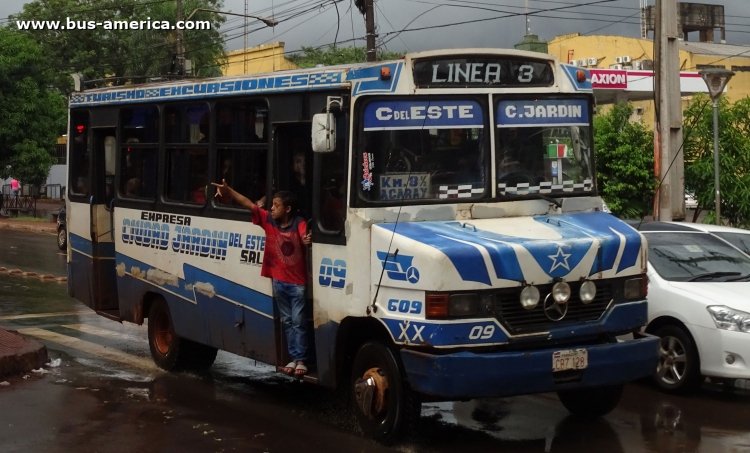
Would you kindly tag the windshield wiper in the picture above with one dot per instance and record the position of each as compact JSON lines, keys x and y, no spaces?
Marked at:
{"x":712,"y":276}
{"x":741,"y":278}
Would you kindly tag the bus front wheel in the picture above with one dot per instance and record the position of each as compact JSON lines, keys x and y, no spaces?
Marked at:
{"x":384,"y":405}
{"x":171,"y":352}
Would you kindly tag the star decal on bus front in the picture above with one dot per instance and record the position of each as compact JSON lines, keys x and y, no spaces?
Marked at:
{"x":559,"y":259}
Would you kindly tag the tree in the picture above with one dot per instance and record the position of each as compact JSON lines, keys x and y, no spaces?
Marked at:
{"x":624,"y":162}
{"x":102,"y":51}
{"x":32,"y":115}
{"x":734,"y":161}
{"x":312,"y":56}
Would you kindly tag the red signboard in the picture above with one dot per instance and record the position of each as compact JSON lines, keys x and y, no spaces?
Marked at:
{"x":616,"y":79}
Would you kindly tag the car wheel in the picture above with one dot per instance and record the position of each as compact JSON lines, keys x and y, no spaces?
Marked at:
{"x":62,"y":238}
{"x":678,"y":370}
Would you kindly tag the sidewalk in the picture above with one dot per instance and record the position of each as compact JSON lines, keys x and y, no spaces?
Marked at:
{"x":43,"y":223}
{"x":20,"y":354}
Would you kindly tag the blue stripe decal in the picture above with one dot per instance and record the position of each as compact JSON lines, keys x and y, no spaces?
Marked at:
{"x":222,"y":287}
{"x":231,"y":290}
{"x":466,"y":259}
{"x":578,"y":234}
{"x":84,"y":245}
{"x":603,"y":227}
{"x":368,"y":80}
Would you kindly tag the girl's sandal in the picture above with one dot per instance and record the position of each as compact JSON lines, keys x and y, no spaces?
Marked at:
{"x":300,"y":370}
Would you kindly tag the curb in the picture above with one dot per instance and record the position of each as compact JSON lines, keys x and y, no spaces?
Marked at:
{"x":20,"y":354}
{"x":29,"y":274}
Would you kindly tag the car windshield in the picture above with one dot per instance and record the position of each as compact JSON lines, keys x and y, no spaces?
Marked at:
{"x":739,"y":240}
{"x":695,"y":257}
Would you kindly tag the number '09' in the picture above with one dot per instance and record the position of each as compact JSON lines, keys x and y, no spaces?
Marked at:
{"x":482,"y":332}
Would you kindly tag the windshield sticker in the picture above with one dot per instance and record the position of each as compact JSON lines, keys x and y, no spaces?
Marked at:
{"x":459,"y":191}
{"x":433,"y":114}
{"x":544,"y":112}
{"x":368,"y":163}
{"x":404,"y":186}
{"x":693,"y":248}
{"x":525,"y":188}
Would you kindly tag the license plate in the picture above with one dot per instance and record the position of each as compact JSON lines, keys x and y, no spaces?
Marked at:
{"x":570,"y":359}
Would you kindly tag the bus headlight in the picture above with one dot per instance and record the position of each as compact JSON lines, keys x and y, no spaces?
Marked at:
{"x":463,"y":304}
{"x":561,"y":292}
{"x":529,"y":297}
{"x":587,"y":293}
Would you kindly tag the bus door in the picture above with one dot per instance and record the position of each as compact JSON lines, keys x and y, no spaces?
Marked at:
{"x":92,"y":256}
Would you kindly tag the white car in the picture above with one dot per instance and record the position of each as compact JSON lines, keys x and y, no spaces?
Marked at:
{"x":690,"y":201}
{"x":737,"y":237}
{"x":698,"y":303}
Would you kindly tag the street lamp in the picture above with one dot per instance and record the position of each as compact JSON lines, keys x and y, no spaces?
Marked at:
{"x":266,"y":20}
{"x":716,"y":79}
{"x":270,"y":22}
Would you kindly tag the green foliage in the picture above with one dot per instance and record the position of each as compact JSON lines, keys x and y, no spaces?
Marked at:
{"x":102,"y":52}
{"x":624,"y":162}
{"x":734,"y":157}
{"x":311,"y":56}
{"x":32,"y":115}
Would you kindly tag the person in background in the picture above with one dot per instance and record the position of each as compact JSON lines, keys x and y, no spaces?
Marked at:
{"x":15,"y":187}
{"x":285,"y":264}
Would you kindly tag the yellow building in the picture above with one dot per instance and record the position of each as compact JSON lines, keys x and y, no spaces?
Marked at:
{"x":634,"y":54}
{"x":263,"y":58}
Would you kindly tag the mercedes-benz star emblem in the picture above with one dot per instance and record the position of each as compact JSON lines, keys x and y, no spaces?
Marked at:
{"x":553,"y":310}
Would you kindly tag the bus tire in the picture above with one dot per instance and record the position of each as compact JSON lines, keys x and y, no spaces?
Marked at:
{"x":591,"y":402}
{"x":199,"y":356}
{"x":384,"y":405}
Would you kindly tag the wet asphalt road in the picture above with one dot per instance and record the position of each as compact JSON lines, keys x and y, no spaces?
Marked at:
{"x":106,"y":395}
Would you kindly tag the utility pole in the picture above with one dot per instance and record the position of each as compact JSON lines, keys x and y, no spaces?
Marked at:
{"x":370,"y":30}
{"x":668,"y":138}
{"x":180,"y":38}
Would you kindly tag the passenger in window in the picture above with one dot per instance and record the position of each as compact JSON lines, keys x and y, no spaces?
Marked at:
{"x":298,"y":184}
{"x":285,"y":263}
{"x":133,"y":187}
{"x":198,"y":191}
{"x":251,"y":131}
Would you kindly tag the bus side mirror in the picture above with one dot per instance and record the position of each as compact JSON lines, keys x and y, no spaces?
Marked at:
{"x":323,"y":133}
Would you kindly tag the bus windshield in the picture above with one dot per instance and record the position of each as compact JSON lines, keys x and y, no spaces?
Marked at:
{"x":423,"y":150}
{"x":437,"y":150}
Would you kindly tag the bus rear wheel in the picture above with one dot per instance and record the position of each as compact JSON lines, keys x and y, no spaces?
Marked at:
{"x":171,"y":352}
{"x":384,"y":405}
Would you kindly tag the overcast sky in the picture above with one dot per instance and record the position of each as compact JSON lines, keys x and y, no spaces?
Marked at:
{"x":501,"y":23}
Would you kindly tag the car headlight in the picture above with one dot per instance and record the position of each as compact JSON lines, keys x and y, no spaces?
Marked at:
{"x":529,"y":297}
{"x":730,"y":319}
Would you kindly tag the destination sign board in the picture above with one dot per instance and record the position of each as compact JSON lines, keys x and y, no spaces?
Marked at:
{"x":482,"y":71}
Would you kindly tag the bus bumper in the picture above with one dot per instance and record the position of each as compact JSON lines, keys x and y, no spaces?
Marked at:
{"x":464,"y":375}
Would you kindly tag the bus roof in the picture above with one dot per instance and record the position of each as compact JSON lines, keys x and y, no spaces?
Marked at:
{"x":360,"y":78}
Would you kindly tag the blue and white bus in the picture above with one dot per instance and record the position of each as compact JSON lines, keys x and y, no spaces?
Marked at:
{"x":459,"y":248}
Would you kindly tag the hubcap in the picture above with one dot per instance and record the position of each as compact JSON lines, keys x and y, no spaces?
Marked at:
{"x":672,"y":361}
{"x":163,"y":335}
{"x":370,"y":391}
